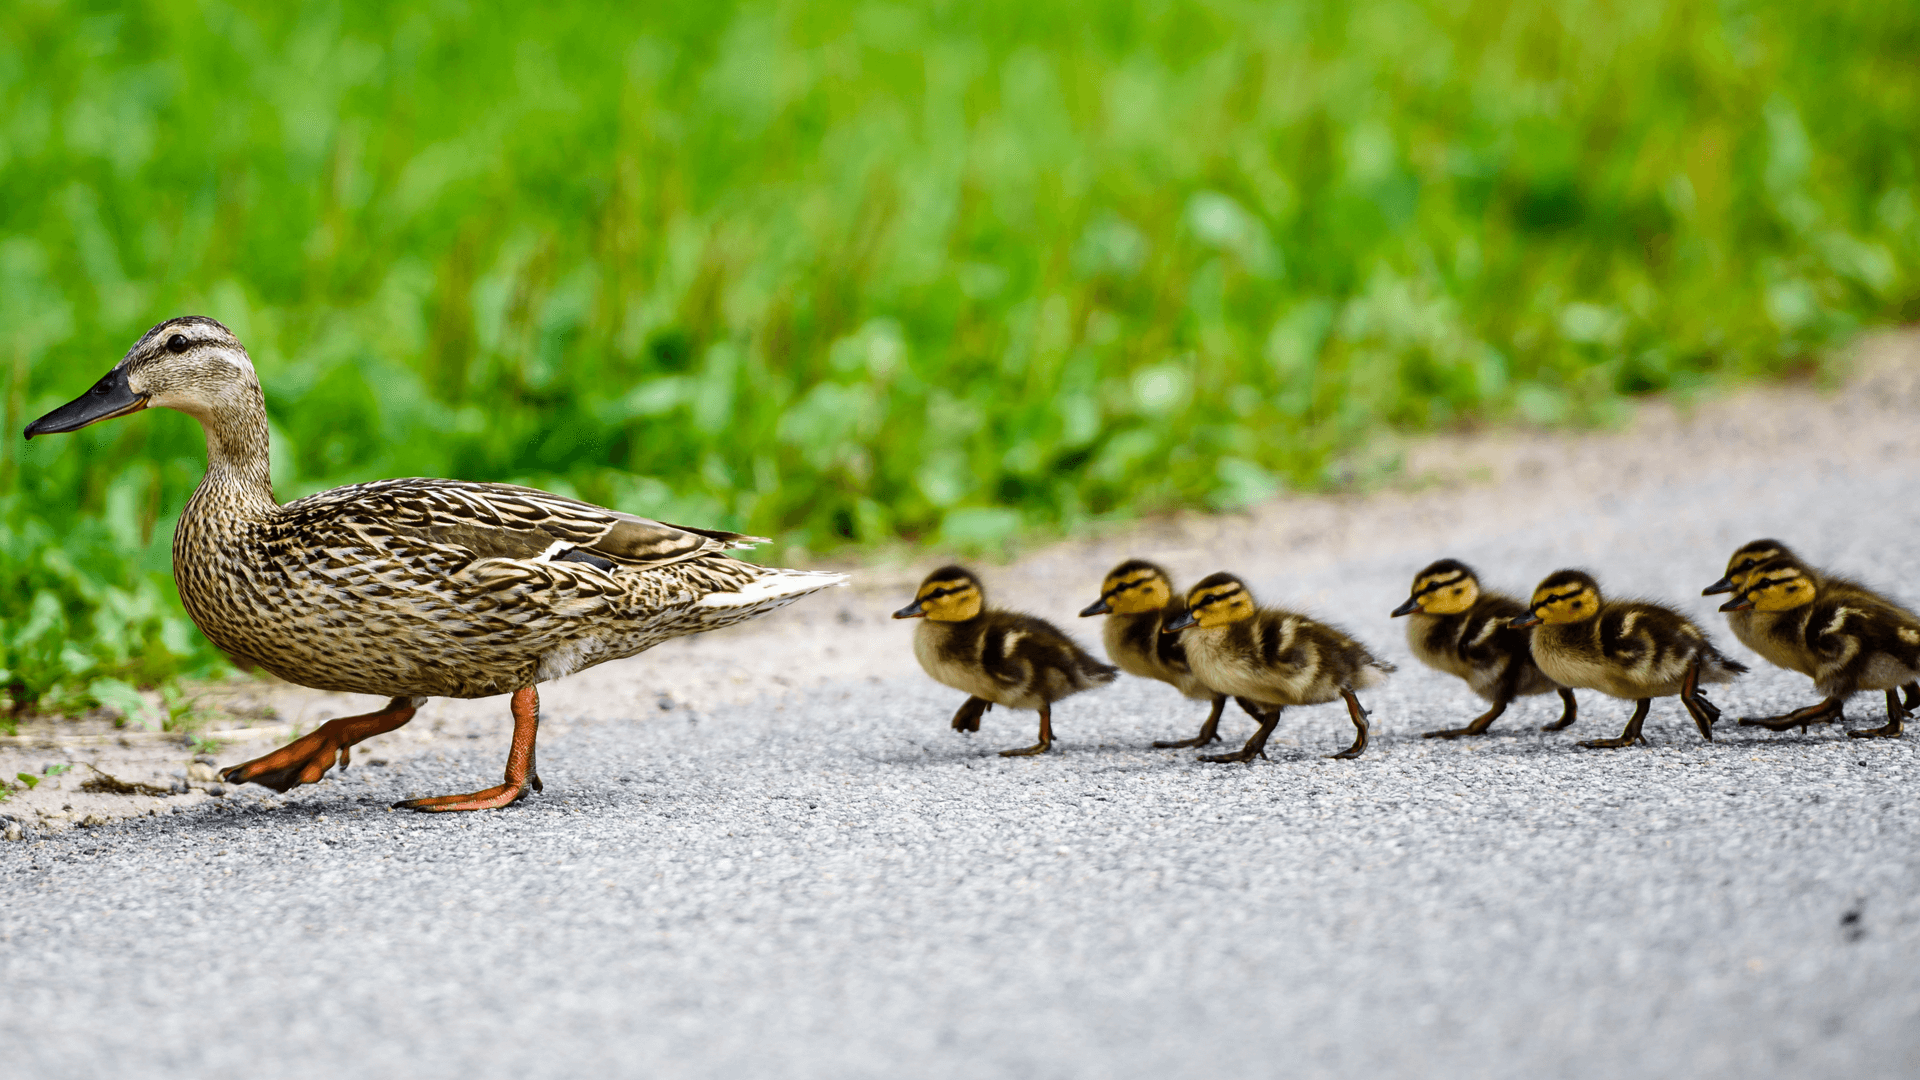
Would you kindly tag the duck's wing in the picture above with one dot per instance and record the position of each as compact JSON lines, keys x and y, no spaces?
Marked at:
{"x":505,"y":521}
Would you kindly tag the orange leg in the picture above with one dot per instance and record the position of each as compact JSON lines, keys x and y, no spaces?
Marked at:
{"x":306,"y":759}
{"x":521,"y":772}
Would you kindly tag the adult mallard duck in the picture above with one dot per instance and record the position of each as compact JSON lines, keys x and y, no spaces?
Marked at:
{"x":997,"y":657}
{"x":410,"y":589}
{"x":1461,"y":629}
{"x":1847,"y":640}
{"x":1630,"y":649}
{"x":1274,"y":658}
{"x":1138,"y":599}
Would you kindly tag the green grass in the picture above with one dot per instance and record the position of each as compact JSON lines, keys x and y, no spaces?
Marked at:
{"x":848,"y":272}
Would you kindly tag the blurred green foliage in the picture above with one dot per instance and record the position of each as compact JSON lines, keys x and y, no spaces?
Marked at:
{"x":845,"y":271}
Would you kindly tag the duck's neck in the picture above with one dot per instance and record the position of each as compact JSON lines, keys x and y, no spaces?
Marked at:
{"x":238,"y":480}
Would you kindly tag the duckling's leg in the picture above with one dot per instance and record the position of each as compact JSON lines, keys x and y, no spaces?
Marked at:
{"x":968,"y":718}
{"x":1704,"y":712}
{"x":307,"y":759}
{"x":1046,"y":737}
{"x":1567,"y":715}
{"x":1897,"y":717}
{"x":1629,"y":736}
{"x":1256,"y":746}
{"x":1359,"y":716}
{"x":1478,"y":726}
{"x":1823,"y":712}
{"x":1913,"y":695}
{"x":521,"y":773}
{"x":1209,"y":731}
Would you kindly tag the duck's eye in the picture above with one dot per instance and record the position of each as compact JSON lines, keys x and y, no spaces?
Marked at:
{"x":177,"y":344}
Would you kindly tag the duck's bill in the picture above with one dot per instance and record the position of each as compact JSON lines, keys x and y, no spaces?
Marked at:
{"x":1521,"y":622}
{"x":1738,"y":603}
{"x":1725,"y":584}
{"x":110,"y":397}
{"x":1179,"y":622}
{"x":911,"y":611}
{"x":1412,"y":605}
{"x":1098,"y":607}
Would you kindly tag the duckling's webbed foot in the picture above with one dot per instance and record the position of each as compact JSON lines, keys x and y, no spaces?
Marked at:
{"x":1477,"y":726}
{"x":1359,"y":717}
{"x":1825,"y":712}
{"x":521,"y":775}
{"x":1897,"y":716}
{"x":1256,"y":746}
{"x":1628,"y":737}
{"x":1046,"y":737}
{"x":1209,"y":731}
{"x":1567,"y":715}
{"x":968,"y":717}
{"x":306,"y":759}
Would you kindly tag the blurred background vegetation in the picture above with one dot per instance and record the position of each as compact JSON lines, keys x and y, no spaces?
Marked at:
{"x":848,"y":272}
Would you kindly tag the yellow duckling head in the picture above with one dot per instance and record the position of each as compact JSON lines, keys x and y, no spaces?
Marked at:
{"x":950,"y":594}
{"x":1566,"y":596}
{"x":1780,"y":584}
{"x":1216,"y":601}
{"x":1750,"y":555}
{"x":1448,"y":587}
{"x":1133,"y":587}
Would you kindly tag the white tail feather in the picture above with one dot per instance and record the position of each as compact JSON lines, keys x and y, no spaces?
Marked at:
{"x":776,"y":584}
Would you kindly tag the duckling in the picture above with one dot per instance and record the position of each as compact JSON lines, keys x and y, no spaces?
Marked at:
{"x":1273,"y":658}
{"x":1629,"y":649}
{"x":1845,"y":641}
{"x":1458,"y":629}
{"x":1139,"y":597}
{"x":997,"y":657}
{"x":1752,"y":625}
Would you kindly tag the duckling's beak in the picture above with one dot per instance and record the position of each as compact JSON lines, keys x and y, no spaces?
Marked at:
{"x":1179,"y":622}
{"x":911,"y":611}
{"x":1738,"y":603}
{"x":1521,"y":622}
{"x":1098,"y":607}
{"x":1725,"y":584}
{"x":1412,"y":605}
{"x":110,"y":397}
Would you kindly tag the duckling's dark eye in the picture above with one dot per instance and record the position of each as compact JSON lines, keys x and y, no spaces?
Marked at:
{"x":177,"y":344}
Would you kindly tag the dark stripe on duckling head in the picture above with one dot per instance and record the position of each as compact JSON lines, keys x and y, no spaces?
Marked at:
{"x":1131,"y":574}
{"x":1454,"y":570}
{"x":1562,"y":580}
{"x":951,"y":578}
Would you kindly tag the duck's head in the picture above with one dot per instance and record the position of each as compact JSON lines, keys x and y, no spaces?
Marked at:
{"x":190,"y":363}
{"x":950,"y":594}
{"x":1779,"y":584}
{"x":1133,"y":587}
{"x":1750,"y":555}
{"x":1566,"y":596}
{"x":1216,"y":601}
{"x":1448,"y":587}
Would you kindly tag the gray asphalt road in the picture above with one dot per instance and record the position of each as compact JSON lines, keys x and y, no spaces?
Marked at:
{"x":829,"y":883}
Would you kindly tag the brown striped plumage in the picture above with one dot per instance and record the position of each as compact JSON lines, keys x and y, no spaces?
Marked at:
{"x":1274,"y":658}
{"x":1455,"y":626}
{"x":1630,"y":649}
{"x":416,"y":588}
{"x":1138,"y":600}
{"x":1779,"y":639}
{"x":996,"y":657}
{"x":1846,"y":639}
